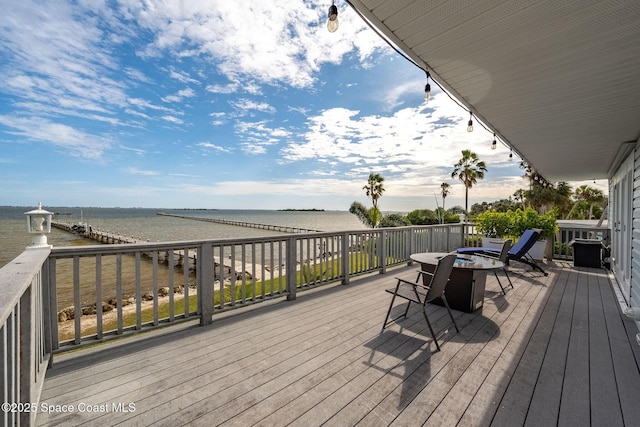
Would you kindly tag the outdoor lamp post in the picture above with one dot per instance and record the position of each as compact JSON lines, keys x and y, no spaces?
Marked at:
{"x":39,"y":224}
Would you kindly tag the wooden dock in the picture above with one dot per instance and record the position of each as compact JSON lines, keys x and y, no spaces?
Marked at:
{"x":270,"y":227}
{"x":554,"y":350}
{"x":96,"y":234}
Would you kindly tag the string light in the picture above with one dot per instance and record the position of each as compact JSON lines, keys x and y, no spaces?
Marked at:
{"x":470,"y":124}
{"x":494,"y":144}
{"x":427,"y":89}
{"x":332,"y":22}
{"x":511,"y":154}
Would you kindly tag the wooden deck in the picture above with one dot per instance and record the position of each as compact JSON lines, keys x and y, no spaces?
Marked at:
{"x":554,"y":351}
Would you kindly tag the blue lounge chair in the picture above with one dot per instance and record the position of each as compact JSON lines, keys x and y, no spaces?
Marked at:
{"x":518,"y":252}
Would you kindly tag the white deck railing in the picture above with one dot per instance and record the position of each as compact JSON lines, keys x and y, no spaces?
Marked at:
{"x":25,"y":335}
{"x":66,"y":297}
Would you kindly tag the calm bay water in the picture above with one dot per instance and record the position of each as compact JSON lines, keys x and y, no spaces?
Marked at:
{"x":146,"y":224}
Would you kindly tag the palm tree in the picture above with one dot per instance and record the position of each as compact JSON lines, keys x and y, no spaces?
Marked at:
{"x":375,"y":188}
{"x":588,"y":196}
{"x":369,"y":217}
{"x":469,"y":170}
{"x":444,"y":190}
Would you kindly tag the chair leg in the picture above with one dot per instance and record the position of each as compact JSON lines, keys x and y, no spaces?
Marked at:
{"x":533,"y":265}
{"x":508,"y":278}
{"x":446,"y":304}
{"x":386,"y":319}
{"x":495,"y":273}
{"x":433,"y":334}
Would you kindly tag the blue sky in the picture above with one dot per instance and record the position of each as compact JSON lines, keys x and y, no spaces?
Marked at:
{"x":222,"y":104}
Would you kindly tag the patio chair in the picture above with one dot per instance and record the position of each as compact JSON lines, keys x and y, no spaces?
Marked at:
{"x":501,"y":256}
{"x":432,"y":287}
{"x":518,"y":252}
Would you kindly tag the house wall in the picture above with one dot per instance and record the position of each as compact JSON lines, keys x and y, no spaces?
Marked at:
{"x":635,"y":232}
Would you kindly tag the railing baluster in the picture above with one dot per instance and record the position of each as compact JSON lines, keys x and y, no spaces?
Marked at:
{"x":185,"y":281}
{"x":171,"y":272}
{"x":253,"y":272}
{"x":119,"y":289}
{"x":205,"y":283}
{"x":138,"y":285}
{"x":156,"y":290}
{"x":233,"y":275}
{"x":99,"y":332}
{"x":76,"y":301}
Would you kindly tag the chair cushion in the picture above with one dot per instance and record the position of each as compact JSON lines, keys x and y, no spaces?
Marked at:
{"x":470,"y":251}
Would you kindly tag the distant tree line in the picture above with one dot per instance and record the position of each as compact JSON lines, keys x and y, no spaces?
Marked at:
{"x":582,"y":203}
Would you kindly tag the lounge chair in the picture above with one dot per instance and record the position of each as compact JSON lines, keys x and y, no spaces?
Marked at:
{"x":432,"y":287}
{"x":518,"y":252}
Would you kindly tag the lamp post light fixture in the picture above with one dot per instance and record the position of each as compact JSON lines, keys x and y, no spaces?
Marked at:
{"x":39,"y":224}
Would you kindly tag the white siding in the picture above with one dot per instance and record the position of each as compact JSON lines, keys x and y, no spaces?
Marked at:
{"x":635,"y":230}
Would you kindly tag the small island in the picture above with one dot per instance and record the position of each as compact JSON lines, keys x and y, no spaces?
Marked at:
{"x":301,"y":210}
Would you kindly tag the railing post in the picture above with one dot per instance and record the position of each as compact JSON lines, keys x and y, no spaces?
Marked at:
{"x":345,"y":258}
{"x":382,"y":251}
{"x":27,"y":350}
{"x":49,"y":314}
{"x":409,"y":249}
{"x":204,"y":267}
{"x":292,"y":286}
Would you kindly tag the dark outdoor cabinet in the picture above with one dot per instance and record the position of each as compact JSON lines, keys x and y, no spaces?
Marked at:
{"x":587,"y":253}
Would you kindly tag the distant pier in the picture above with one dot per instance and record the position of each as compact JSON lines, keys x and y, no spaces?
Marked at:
{"x":271,"y":227}
{"x":94,"y":233}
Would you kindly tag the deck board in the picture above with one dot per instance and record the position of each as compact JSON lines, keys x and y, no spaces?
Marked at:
{"x":531,"y":357}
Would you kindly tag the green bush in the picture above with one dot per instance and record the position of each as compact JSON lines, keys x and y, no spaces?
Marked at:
{"x":494,"y":224}
{"x":530,"y":218}
{"x":514,"y":223}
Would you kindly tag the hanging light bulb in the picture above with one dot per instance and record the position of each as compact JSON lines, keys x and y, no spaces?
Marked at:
{"x":470,"y":124}
{"x":332,"y":22}
{"x":427,"y":89}
{"x":494,"y":144}
{"x":511,"y":155}
{"x":522,"y":165}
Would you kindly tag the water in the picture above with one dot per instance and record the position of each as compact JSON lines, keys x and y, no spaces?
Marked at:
{"x":146,"y":224}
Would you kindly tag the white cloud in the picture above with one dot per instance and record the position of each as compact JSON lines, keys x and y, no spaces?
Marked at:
{"x":142,"y":172}
{"x":214,"y":147}
{"x":173,"y":119}
{"x":76,"y":142}
{"x":410,"y":144}
{"x":270,"y":43}
{"x":180,"y":96}
{"x":246,"y":105}
{"x":182,"y":76}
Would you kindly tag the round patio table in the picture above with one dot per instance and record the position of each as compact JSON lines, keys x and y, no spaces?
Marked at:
{"x":465,"y":290}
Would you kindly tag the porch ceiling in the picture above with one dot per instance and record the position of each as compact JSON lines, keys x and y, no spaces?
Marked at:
{"x":559,"y":81}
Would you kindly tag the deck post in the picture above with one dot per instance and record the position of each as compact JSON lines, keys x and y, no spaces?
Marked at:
{"x":382,"y":252}
{"x":291,"y":268}
{"x":26,"y":316}
{"x":205,"y":283}
{"x":345,"y":258}
{"x":409,"y":249}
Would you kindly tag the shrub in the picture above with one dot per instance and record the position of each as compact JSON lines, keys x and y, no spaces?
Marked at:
{"x":494,"y":224}
{"x":530,"y":218}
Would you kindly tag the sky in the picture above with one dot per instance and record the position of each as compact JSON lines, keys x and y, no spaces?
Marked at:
{"x":223,"y":104}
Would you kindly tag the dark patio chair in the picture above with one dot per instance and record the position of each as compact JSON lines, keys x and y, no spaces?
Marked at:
{"x":432,"y":287}
{"x":518,"y":252}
